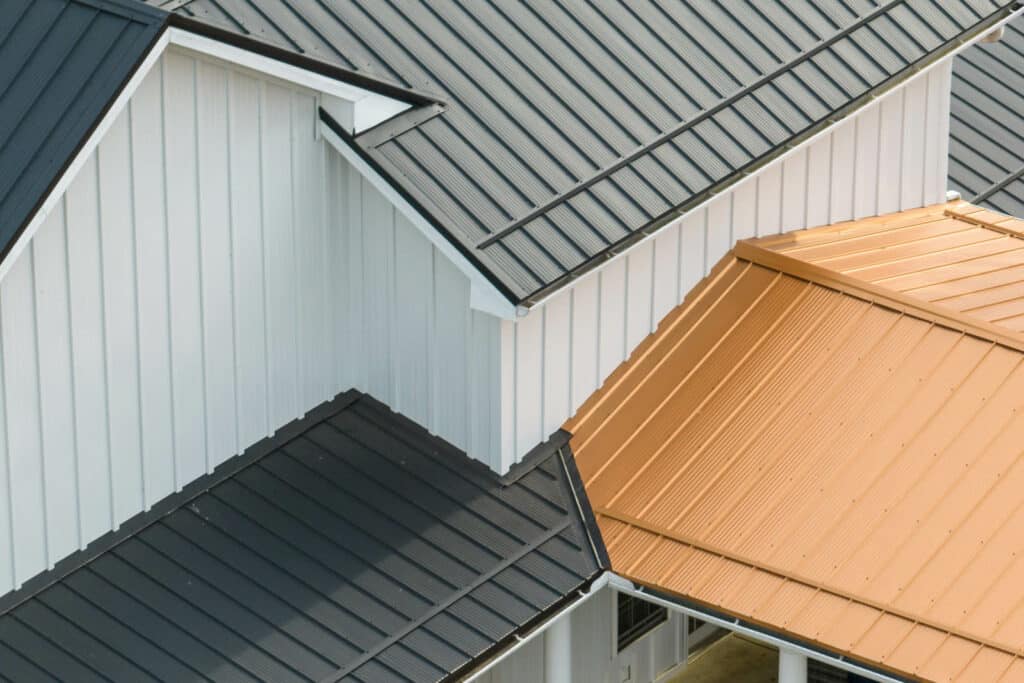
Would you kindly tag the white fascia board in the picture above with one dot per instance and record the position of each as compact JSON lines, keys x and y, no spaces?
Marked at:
{"x":828,"y":130}
{"x":56,"y":194}
{"x":484,"y":296}
{"x":624,"y":585}
{"x":370,"y":108}
{"x":521,"y":640}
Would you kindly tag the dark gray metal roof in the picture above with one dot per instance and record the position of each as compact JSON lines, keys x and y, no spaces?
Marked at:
{"x":570,"y":128}
{"x":986,"y":146}
{"x":62,"y":62}
{"x":351,"y":546}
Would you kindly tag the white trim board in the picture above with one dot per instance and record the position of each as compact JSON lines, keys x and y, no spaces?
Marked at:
{"x":84,"y":153}
{"x":484,"y":296}
{"x":369,"y":109}
{"x":624,"y":585}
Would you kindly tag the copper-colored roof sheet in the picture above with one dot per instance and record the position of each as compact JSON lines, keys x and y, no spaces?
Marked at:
{"x":825,"y":457}
{"x":957,"y":256}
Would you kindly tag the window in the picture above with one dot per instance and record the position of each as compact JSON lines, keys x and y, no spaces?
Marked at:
{"x":637,"y":617}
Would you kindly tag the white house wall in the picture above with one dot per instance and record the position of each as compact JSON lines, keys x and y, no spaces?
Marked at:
{"x":214,"y":271}
{"x":888,"y":157}
{"x":409,"y":336}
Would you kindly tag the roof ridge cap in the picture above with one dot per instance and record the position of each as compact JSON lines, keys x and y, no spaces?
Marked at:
{"x":797,"y":578}
{"x":982,"y":217}
{"x":747,"y":250}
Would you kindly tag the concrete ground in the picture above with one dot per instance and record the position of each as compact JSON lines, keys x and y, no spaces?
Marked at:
{"x":732,"y":659}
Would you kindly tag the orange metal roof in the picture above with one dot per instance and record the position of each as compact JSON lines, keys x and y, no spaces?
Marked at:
{"x":826,"y":457}
{"x":957,"y":256}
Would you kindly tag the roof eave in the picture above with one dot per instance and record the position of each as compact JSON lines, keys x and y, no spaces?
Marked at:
{"x":778,"y":154}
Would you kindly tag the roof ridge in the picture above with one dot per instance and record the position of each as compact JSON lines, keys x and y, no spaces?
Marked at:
{"x":748,"y":250}
{"x":797,"y":578}
{"x":1008,"y":225}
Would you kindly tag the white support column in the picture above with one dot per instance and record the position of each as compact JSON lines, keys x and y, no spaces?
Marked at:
{"x":792,"y":667}
{"x":558,"y":651}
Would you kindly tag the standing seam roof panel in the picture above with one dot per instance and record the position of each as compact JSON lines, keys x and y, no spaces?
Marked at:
{"x":510,"y":73}
{"x":350,"y":546}
{"x":827,"y":454}
{"x":986,"y":156}
{"x":63,"y":62}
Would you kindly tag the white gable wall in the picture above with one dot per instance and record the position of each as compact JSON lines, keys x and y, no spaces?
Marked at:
{"x":216,"y":270}
{"x":201,"y":283}
{"x":890,"y":156}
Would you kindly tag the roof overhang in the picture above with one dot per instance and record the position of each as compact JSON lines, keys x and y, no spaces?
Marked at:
{"x":768,"y":161}
{"x":821,"y":442}
{"x":753,"y":631}
{"x":363,"y":108}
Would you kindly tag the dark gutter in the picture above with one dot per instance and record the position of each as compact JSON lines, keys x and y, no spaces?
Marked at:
{"x":508,"y":641}
{"x":371,"y":83}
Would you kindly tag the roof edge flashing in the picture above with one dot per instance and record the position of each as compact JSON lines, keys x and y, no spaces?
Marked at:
{"x":62,"y":181}
{"x":484,"y":295}
{"x":370,"y":108}
{"x":344,"y":77}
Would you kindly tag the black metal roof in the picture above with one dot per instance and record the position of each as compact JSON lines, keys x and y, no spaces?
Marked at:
{"x":986,"y":146}
{"x":568,"y":129}
{"x":62,"y":63}
{"x":351,"y":546}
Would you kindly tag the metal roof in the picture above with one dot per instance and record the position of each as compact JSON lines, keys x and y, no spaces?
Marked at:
{"x":986,"y":149}
{"x":826,"y":458}
{"x":62,"y":63}
{"x":960,"y":258}
{"x":567,"y":130}
{"x":351,"y":546}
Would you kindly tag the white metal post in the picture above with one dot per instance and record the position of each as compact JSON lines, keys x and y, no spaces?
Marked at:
{"x":558,"y":651}
{"x":792,"y":666}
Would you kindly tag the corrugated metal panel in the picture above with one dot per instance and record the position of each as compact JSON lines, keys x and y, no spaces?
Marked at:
{"x":200,"y":284}
{"x":351,"y":547}
{"x":844,"y":471}
{"x":987,"y":128}
{"x":63,"y":61}
{"x":957,"y":256}
{"x":564,"y":121}
{"x":564,"y":348}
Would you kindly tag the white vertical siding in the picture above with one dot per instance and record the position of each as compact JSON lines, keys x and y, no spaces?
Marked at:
{"x":213,"y":272}
{"x":407,"y":334}
{"x":889,"y":156}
